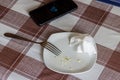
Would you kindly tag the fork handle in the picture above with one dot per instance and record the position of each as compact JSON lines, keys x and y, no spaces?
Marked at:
{"x":11,"y":35}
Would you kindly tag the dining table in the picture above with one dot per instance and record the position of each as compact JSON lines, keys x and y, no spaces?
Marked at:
{"x":21,"y":60}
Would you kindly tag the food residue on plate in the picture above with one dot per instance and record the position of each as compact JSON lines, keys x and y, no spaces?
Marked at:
{"x":78,"y":60}
{"x":67,"y":61}
{"x":67,"y":58}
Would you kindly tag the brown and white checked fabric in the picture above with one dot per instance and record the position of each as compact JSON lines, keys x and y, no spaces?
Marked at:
{"x":20,"y":60}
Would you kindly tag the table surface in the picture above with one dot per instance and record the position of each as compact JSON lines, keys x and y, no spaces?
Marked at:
{"x":20,"y":60}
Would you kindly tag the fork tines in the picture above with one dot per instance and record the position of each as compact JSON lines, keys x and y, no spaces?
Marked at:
{"x":52,"y":48}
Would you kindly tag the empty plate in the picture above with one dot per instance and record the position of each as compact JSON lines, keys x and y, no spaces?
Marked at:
{"x":69,"y":61}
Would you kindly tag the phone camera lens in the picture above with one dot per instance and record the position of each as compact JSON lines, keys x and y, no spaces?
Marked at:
{"x":53,"y":9}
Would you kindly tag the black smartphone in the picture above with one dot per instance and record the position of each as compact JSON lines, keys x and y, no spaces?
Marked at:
{"x":52,"y":10}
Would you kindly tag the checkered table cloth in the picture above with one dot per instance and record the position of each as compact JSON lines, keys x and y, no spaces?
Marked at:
{"x":20,"y":60}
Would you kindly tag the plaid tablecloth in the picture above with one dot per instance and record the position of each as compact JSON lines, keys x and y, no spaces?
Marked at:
{"x":20,"y":60}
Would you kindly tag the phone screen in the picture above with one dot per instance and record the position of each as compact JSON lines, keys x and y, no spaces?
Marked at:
{"x":52,"y":10}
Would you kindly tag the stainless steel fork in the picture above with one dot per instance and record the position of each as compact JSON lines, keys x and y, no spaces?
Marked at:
{"x":52,"y":48}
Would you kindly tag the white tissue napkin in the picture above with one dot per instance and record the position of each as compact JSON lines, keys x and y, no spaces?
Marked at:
{"x":83,"y":44}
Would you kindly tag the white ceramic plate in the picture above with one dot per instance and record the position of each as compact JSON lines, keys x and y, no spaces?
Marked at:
{"x":69,"y":61}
